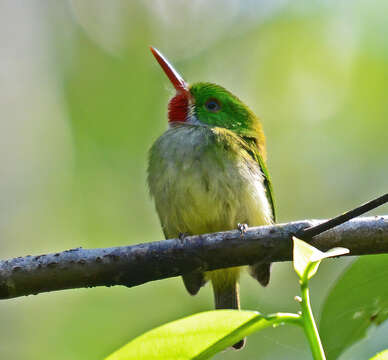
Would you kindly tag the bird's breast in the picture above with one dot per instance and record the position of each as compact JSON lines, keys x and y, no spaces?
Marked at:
{"x":202,"y":181}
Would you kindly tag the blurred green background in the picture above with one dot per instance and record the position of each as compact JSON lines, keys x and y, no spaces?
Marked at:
{"x":82,"y":100}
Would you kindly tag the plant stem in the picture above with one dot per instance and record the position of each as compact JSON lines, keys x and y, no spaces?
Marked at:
{"x":280,"y":318}
{"x":309,"y":325}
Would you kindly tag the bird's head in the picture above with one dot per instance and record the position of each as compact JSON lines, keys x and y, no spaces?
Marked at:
{"x":208,"y":104}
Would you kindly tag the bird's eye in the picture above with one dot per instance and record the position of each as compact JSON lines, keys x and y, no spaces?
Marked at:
{"x":213,"y":105}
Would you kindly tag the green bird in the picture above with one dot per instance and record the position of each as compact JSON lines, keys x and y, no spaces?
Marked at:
{"x":207,"y":173}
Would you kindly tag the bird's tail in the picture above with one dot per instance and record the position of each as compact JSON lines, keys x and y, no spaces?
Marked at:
{"x":226,"y":296}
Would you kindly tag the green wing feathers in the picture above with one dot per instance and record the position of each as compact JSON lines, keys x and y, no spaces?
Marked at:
{"x":253,"y":150}
{"x":261,"y":271}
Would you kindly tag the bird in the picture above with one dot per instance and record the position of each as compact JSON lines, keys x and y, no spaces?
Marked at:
{"x":207,"y":173}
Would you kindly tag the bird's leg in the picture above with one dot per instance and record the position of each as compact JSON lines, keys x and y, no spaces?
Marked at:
{"x":242,"y":228}
{"x":182,"y":236}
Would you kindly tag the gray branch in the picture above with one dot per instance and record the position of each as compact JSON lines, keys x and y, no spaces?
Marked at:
{"x":138,"y":264}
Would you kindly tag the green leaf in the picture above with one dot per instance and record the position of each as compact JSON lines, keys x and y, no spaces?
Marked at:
{"x":199,"y":336}
{"x":381,"y":356}
{"x":307,"y":258}
{"x":358,"y":300}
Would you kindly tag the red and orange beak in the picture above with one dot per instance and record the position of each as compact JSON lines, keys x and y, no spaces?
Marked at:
{"x":177,"y":80}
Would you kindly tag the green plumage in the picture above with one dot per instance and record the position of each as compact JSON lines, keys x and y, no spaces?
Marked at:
{"x":208,"y":174}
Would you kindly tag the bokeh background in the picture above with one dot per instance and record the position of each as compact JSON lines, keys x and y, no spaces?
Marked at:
{"x":82,"y":100}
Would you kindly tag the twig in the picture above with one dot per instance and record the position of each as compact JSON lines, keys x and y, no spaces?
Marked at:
{"x":308,"y":233}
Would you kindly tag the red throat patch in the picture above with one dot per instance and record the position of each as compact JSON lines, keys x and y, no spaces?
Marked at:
{"x":178,"y":108}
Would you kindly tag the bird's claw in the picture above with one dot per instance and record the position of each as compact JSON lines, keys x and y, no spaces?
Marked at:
{"x":182,"y":236}
{"x":242,"y":228}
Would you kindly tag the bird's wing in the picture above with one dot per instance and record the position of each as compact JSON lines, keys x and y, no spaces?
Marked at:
{"x":253,"y":150}
{"x":261,"y":271}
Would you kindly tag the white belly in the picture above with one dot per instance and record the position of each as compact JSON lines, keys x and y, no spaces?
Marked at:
{"x":200,"y":185}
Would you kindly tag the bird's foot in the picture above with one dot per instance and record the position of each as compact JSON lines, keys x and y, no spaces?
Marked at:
{"x":242,"y":228}
{"x":182,"y":237}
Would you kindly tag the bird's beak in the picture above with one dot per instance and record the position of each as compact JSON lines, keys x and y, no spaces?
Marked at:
{"x":177,"y":80}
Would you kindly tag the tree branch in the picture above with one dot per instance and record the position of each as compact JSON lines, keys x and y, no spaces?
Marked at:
{"x":138,"y":264}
